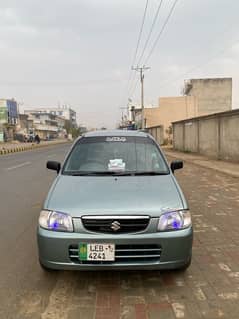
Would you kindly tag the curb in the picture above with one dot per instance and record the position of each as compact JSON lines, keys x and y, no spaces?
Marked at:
{"x":27,"y":148}
{"x":203,"y":163}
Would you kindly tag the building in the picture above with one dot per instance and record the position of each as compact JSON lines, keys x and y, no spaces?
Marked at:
{"x":64,"y":112}
{"x":61,"y":126}
{"x":170,"y":109}
{"x":8,"y":111}
{"x":135,"y":117}
{"x":202,"y":97}
{"x":25,"y":124}
{"x":8,"y":118}
{"x":44,"y":124}
{"x":212,"y":95}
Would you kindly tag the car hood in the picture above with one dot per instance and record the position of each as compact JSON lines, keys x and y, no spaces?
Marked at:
{"x":99,"y":195}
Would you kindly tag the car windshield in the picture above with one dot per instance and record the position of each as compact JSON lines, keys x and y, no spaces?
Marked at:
{"x":120,"y":155}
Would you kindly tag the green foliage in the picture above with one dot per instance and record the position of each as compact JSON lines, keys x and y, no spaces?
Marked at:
{"x":74,"y":131}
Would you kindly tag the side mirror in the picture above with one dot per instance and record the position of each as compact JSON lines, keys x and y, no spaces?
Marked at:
{"x":176,"y":165}
{"x":55,"y":166}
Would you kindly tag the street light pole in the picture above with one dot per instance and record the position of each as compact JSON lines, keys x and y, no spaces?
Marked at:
{"x":141,"y":69}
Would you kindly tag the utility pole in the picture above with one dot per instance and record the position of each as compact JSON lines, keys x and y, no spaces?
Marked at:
{"x":141,"y":70}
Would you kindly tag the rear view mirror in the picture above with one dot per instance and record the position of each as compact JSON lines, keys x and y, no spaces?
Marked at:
{"x":176,"y":165}
{"x":55,"y":166}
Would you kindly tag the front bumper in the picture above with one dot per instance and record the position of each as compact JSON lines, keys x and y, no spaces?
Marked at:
{"x":176,"y":249}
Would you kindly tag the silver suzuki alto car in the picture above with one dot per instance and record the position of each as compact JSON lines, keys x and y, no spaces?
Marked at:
{"x":115,"y":204}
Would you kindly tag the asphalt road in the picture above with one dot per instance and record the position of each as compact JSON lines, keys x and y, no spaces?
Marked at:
{"x":24,"y":183}
{"x":208,"y":289}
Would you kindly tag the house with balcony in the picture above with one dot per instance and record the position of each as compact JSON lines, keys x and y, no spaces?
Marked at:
{"x":65,"y":112}
{"x":44,"y":124}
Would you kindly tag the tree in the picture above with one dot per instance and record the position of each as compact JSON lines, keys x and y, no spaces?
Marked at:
{"x":70,"y":129}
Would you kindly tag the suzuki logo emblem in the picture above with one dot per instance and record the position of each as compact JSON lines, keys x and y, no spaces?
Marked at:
{"x":115,"y":225}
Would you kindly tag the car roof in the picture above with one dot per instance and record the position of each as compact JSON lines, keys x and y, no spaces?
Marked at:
{"x":116,"y":133}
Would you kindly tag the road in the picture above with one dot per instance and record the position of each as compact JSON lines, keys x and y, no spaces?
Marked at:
{"x":208,"y":289}
{"x":24,"y":182}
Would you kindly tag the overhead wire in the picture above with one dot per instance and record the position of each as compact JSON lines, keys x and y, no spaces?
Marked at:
{"x":161,"y":32}
{"x":158,"y":37}
{"x":151,"y":31}
{"x":137,"y":48}
{"x":134,"y":88}
{"x":141,"y":31}
{"x":221,"y":52}
{"x":131,"y":88}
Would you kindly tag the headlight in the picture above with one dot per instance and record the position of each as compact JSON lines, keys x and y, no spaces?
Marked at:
{"x":56,"y":221}
{"x":175,"y":220}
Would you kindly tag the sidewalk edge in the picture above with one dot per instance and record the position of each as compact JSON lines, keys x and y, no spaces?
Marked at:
{"x":205,"y":165}
{"x":28,"y":148}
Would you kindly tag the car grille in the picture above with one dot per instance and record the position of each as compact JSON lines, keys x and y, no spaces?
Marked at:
{"x":124,"y":254}
{"x":115,"y":224}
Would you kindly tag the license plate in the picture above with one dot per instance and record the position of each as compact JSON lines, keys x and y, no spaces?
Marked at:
{"x":97,"y":252}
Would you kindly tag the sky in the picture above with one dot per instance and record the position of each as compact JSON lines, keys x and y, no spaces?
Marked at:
{"x":80,"y":52}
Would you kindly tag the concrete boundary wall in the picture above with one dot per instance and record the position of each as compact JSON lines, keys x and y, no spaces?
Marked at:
{"x":157,"y":132}
{"x":216,"y":135}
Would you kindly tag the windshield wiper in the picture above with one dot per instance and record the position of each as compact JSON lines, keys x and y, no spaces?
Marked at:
{"x":95,"y":173}
{"x":150,"y":173}
{"x":114,"y":173}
